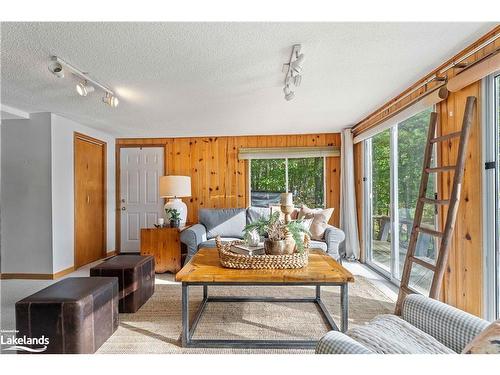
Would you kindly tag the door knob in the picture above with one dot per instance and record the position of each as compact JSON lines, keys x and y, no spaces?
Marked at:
{"x":124,"y":208}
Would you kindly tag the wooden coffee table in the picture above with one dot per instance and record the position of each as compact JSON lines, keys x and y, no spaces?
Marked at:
{"x":204,"y":269}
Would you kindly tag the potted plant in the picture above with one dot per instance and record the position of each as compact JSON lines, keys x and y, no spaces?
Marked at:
{"x":280,"y":237}
{"x":174,"y":216}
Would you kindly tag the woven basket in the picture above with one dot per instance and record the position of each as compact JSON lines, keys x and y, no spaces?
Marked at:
{"x":229,"y":259}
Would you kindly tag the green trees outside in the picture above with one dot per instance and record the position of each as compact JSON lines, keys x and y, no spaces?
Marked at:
{"x":305,"y":179}
{"x":268,"y":175}
{"x":412,"y":135}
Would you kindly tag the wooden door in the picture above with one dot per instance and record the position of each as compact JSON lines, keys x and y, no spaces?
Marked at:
{"x":140,"y":202}
{"x":90,"y":199}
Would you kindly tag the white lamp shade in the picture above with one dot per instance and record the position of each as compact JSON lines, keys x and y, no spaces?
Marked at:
{"x":175,"y":186}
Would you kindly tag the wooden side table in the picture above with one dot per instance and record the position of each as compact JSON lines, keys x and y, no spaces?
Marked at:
{"x":165,"y":245}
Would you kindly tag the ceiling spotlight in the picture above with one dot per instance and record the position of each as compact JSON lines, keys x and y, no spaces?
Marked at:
{"x":289,"y":94}
{"x":56,"y":69}
{"x":296,"y":66}
{"x":83,"y":88}
{"x":297,"y":80}
{"x":111,"y":100}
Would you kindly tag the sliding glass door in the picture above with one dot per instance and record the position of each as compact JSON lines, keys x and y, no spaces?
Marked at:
{"x":411,"y":140}
{"x":393,"y":167}
{"x":491,"y":142}
{"x":380,"y":215}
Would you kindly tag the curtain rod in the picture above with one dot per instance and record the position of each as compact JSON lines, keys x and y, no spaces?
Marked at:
{"x":443,"y":70}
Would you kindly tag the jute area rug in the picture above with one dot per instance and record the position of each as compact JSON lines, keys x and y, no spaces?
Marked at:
{"x":156,"y":327}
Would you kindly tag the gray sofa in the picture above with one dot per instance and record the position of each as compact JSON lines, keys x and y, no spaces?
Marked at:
{"x":426,"y":326}
{"x":229,"y":223}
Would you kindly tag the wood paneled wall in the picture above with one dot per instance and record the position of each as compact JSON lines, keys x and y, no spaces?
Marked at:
{"x":463,"y":282}
{"x":219,"y":179}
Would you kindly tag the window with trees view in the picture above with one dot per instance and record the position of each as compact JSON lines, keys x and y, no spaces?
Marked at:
{"x":304,"y":177}
{"x":394,"y":160}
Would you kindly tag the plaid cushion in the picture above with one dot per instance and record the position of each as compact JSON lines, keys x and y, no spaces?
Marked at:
{"x":450,"y":326}
{"x":335,"y":342}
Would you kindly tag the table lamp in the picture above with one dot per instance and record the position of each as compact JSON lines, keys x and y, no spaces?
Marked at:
{"x":174,"y":188}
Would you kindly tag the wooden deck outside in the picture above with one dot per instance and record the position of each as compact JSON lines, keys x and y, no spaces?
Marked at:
{"x":421,"y":277}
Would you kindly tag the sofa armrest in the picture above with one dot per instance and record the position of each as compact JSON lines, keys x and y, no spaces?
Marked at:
{"x":335,"y":342}
{"x":450,"y":326}
{"x":333,"y":238}
{"x":192,"y":237}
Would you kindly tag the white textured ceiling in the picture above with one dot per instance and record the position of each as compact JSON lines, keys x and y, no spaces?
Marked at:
{"x":183,"y":79}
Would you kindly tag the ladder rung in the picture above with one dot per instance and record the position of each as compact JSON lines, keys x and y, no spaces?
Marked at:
{"x":406,"y":290}
{"x":445,"y":168}
{"x":432,"y":232}
{"x":435,"y":201}
{"x":423,"y":263}
{"x":446,"y":137}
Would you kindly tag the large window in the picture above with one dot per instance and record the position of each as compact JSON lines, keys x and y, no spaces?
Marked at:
{"x":393,"y":167}
{"x":304,"y":177}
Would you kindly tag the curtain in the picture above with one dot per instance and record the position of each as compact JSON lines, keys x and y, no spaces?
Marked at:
{"x":348,"y":213}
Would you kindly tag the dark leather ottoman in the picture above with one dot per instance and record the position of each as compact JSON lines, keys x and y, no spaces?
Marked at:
{"x":136,"y":279}
{"x":77,"y":314}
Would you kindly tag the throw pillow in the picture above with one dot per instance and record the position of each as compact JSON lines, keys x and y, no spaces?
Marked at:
{"x":306,"y":224}
{"x":487,"y":342}
{"x":320,"y":220}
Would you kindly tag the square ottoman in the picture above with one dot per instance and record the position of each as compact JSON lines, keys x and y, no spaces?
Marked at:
{"x":77,"y":314}
{"x":136,"y":279}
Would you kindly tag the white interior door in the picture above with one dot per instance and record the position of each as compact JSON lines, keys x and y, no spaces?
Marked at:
{"x":140,"y":203}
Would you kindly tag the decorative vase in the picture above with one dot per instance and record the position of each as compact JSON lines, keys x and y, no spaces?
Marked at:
{"x":175,"y":223}
{"x":275,"y":247}
{"x":178,"y":205}
{"x":290,"y":244}
{"x":253,"y":238}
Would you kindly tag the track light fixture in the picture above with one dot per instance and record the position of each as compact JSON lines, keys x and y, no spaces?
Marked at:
{"x":293,"y":71}
{"x":296,"y":66}
{"x":86,"y":84}
{"x":110,"y":100}
{"x":56,"y":69}
{"x":83,"y":88}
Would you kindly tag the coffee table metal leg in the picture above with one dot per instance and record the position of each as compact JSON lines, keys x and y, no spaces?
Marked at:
{"x":318,"y":292}
{"x":205,"y":291}
{"x":185,"y":315}
{"x":344,"y":306}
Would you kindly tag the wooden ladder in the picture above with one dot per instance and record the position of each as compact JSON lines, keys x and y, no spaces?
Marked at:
{"x":452,"y":203}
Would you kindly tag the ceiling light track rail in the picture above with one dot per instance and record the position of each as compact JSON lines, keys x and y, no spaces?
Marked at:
{"x":84,"y":76}
{"x":293,"y":71}
{"x":87,"y":84}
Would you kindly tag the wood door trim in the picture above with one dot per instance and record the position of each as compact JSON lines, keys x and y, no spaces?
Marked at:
{"x":118,"y":148}
{"x":89,"y":139}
